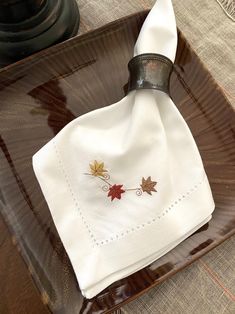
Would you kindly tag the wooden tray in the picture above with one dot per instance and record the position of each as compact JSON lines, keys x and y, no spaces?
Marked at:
{"x":41,"y":94}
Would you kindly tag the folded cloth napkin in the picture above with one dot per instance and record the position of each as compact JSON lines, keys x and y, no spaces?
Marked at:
{"x":125,"y":183}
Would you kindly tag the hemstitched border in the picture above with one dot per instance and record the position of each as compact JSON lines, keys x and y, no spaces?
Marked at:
{"x":122,"y":234}
{"x":93,"y":239}
{"x":153,"y":220}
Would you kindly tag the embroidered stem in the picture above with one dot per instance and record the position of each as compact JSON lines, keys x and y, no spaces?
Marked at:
{"x":138,"y":192}
{"x":105,"y":181}
{"x":116,"y":190}
{"x":88,"y":174}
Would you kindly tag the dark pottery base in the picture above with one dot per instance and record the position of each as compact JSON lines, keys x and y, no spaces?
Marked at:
{"x":56,"y":21}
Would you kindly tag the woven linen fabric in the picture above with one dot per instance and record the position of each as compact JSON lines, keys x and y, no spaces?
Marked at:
{"x":210,"y":32}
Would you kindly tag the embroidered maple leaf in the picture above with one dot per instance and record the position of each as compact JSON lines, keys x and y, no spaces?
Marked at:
{"x":148,"y":185}
{"x":97,"y":169}
{"x":115,"y":191}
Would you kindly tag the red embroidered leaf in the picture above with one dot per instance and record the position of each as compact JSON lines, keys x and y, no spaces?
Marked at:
{"x":115,"y":191}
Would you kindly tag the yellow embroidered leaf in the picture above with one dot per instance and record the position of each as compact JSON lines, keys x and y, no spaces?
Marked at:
{"x":97,"y":169}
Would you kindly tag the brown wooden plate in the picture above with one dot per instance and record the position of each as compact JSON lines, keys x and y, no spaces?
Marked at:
{"x":41,"y":94}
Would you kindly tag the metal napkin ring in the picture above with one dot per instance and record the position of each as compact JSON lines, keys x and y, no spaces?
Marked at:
{"x":150,"y":71}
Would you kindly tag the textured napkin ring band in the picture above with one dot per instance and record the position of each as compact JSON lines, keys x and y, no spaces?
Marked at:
{"x":150,"y":71}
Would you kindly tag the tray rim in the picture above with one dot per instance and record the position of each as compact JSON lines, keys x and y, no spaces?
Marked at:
{"x":55,"y":49}
{"x":63,"y":45}
{"x":39,"y":56}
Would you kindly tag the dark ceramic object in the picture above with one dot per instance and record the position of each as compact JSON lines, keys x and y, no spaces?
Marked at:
{"x":41,"y":94}
{"x":27,"y":26}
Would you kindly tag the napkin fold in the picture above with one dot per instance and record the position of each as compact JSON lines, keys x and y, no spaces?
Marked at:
{"x":125,"y":183}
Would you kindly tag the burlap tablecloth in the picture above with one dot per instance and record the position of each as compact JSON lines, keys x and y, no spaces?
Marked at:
{"x":207,"y":286}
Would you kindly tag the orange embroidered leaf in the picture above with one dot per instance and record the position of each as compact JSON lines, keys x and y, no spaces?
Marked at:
{"x":116,"y":191}
{"x":148,"y":185}
{"x":97,"y":169}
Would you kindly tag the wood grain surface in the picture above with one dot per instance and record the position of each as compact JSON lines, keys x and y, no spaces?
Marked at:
{"x":18,"y":294}
{"x":40,"y":95}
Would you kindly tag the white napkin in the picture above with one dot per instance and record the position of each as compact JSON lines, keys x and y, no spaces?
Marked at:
{"x":125,"y":184}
